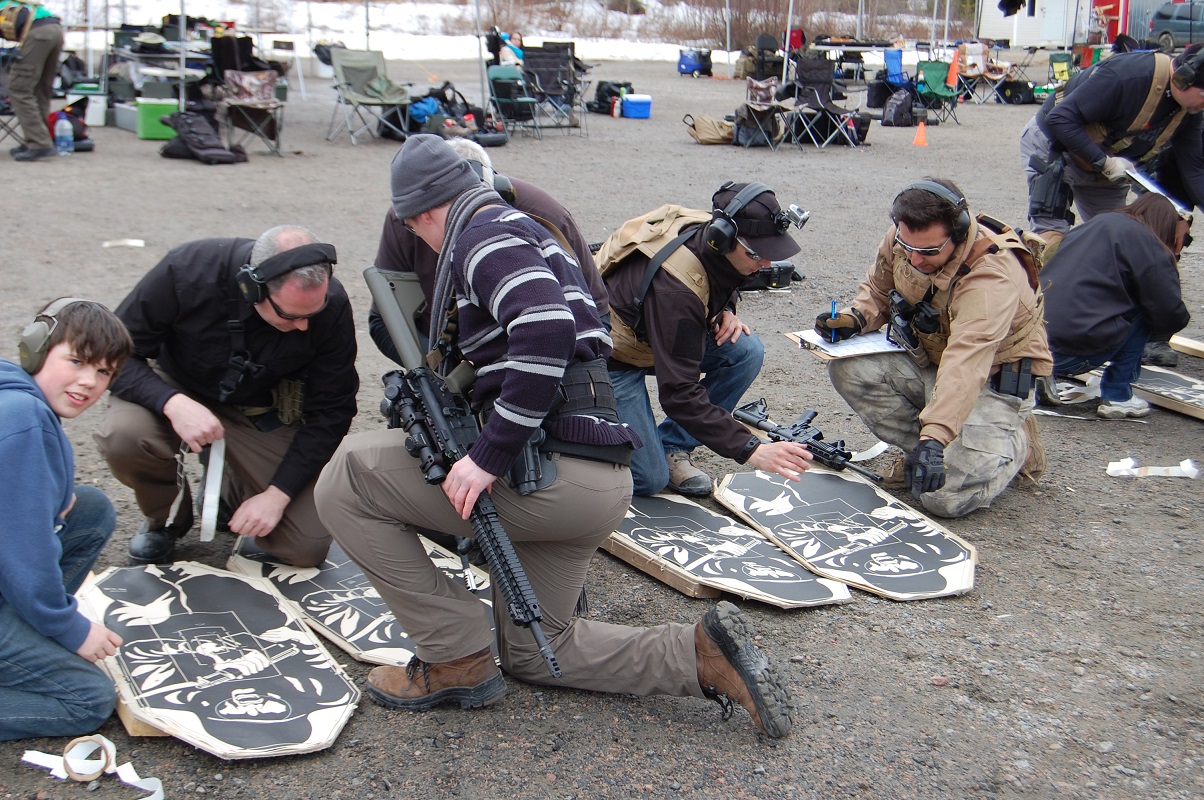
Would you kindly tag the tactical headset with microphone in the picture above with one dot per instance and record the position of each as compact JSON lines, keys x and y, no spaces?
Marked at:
{"x":253,"y":280}
{"x":1186,"y":73}
{"x":34,"y":343}
{"x":959,"y":228}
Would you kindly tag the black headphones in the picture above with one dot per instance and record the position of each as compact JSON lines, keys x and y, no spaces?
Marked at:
{"x":253,"y":281}
{"x":721,"y":231}
{"x":35,"y":338}
{"x":960,"y":226}
{"x":1185,"y":74}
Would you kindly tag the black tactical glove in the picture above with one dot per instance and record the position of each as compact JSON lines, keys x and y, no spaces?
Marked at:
{"x":924,"y":469}
{"x":841,"y":325}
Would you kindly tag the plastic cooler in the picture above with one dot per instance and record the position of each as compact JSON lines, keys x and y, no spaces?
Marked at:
{"x":637,"y":106}
{"x":149,"y":111}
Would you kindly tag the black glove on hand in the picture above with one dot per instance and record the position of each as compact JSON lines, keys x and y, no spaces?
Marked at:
{"x":842,"y":325}
{"x":924,"y":469}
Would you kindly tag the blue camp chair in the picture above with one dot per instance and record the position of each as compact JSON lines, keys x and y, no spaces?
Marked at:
{"x":896,"y":78}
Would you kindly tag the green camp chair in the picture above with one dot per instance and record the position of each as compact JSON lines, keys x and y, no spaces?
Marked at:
{"x":1061,"y":67}
{"x":932,"y":84}
{"x":366,"y":96}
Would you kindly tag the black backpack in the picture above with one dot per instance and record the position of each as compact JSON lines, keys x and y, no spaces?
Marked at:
{"x":603,"y":94}
{"x":897,"y":111}
{"x":197,"y":139}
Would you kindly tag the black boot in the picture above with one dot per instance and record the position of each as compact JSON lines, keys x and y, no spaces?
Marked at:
{"x":155,"y":545}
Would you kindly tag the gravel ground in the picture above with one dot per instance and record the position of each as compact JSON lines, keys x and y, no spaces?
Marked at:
{"x":1072,"y":670}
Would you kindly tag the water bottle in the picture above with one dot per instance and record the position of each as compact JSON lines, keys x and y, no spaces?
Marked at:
{"x":64,"y":136}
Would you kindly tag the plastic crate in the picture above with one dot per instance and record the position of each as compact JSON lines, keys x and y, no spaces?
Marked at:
{"x":149,"y":111}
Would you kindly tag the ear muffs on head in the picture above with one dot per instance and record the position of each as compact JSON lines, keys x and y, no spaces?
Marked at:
{"x":721,"y":231}
{"x":34,"y":343}
{"x":253,"y":280}
{"x":1185,"y":74}
{"x":960,"y":227}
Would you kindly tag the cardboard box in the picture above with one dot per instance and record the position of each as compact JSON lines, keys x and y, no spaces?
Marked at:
{"x":149,"y":111}
{"x":637,"y":106}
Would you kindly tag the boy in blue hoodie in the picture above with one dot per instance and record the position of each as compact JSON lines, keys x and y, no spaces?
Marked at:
{"x":52,"y":531}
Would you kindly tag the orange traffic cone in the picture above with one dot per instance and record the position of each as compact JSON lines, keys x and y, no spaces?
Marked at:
{"x":921,"y":139}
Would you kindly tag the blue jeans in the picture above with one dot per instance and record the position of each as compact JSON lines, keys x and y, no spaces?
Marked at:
{"x":44,"y":689}
{"x":1116,"y":385}
{"x":730,"y":369}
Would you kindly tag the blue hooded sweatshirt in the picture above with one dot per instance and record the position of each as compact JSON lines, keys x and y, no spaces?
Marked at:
{"x":36,"y":486}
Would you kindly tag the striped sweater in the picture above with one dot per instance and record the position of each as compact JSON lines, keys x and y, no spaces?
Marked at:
{"x":524,"y":317}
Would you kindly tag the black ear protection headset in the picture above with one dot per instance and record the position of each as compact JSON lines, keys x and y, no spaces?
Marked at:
{"x":960,"y":227}
{"x":501,"y":184}
{"x":35,"y":338}
{"x":253,"y":281}
{"x":721,"y":231}
{"x":1185,"y":74}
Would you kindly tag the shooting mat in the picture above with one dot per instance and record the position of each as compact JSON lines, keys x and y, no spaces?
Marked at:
{"x":341,"y":604}
{"x":217,"y":660}
{"x":844,"y":528}
{"x":685,"y":545}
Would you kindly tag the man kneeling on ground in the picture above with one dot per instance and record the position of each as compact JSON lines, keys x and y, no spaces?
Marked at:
{"x":960,"y":402}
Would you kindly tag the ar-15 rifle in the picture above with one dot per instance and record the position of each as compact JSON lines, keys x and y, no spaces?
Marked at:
{"x":440,"y":428}
{"x":830,"y":454}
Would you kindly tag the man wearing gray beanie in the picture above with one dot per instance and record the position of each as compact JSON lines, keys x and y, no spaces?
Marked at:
{"x":526,"y":323}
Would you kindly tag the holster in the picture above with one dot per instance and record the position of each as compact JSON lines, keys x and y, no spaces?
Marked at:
{"x":1050,"y":195}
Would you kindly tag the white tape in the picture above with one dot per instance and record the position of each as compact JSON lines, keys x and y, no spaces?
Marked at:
{"x":76,"y":764}
{"x":213,"y":489}
{"x":873,"y":452}
{"x":1127,"y":468}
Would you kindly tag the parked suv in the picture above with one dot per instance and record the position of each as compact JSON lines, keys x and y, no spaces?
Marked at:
{"x":1178,"y":24}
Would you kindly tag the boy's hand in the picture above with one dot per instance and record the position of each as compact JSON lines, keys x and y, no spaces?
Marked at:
{"x":101,"y":643}
{"x":193,"y":423}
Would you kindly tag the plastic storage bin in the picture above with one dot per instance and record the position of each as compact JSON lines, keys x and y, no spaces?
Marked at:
{"x":637,"y":106}
{"x":98,"y":102}
{"x":149,"y":111}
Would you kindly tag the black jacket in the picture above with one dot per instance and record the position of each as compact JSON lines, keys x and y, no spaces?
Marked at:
{"x":178,"y":315}
{"x":1106,"y":274}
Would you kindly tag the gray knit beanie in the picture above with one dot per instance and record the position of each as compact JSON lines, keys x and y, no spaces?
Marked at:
{"x":427,"y":172}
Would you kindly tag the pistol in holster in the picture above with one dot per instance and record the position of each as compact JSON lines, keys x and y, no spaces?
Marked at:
{"x":906,"y":319}
{"x":1050,"y":195}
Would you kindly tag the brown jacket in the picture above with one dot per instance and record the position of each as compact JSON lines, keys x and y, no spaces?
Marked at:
{"x":990,"y":315}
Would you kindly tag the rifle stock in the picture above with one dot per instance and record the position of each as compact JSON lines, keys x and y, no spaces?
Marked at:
{"x":830,"y":454}
{"x":440,"y":429}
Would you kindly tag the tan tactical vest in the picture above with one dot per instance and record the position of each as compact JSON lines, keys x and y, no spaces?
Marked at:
{"x":1163,"y":68}
{"x":647,"y":235}
{"x":992,"y":241}
{"x":10,"y":18}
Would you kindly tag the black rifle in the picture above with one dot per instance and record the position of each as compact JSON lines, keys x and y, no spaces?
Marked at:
{"x":440,"y":428}
{"x":831,"y":454}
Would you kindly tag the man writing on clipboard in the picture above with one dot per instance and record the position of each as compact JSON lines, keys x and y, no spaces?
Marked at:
{"x":960,"y":293}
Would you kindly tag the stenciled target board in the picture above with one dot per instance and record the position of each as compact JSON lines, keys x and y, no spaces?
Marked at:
{"x":339,"y":602}
{"x":665,"y":535}
{"x":219,"y":661}
{"x":1169,"y":390}
{"x":844,"y":528}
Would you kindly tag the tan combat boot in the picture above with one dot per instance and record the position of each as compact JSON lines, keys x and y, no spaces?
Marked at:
{"x":1034,"y":463}
{"x":732,"y":669}
{"x":472,"y":681}
{"x":685,"y":478}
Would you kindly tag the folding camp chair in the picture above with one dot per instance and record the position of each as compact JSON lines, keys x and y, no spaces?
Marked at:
{"x":517,"y":107}
{"x":816,"y":117}
{"x":551,"y":74}
{"x":971,"y":74}
{"x":252,"y":109}
{"x":756,"y":91}
{"x":767,"y":61}
{"x":896,"y":78}
{"x":366,"y":96}
{"x":9,"y":124}
{"x":1061,"y":67}
{"x":932,"y":85}
{"x":770,"y":120}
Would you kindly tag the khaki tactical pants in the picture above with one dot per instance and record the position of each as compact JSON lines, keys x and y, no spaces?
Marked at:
{"x":372,"y":496}
{"x":888,"y":391}
{"x":31,"y":83}
{"x":140,"y":447}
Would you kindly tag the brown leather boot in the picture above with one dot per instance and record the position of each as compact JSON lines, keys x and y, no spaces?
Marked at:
{"x":1034,"y":462}
{"x":732,"y":669}
{"x":472,"y":681}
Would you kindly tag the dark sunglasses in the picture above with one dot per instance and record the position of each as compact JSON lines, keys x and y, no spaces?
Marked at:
{"x":922,"y":251}
{"x":748,"y":251}
{"x":285,"y":315}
